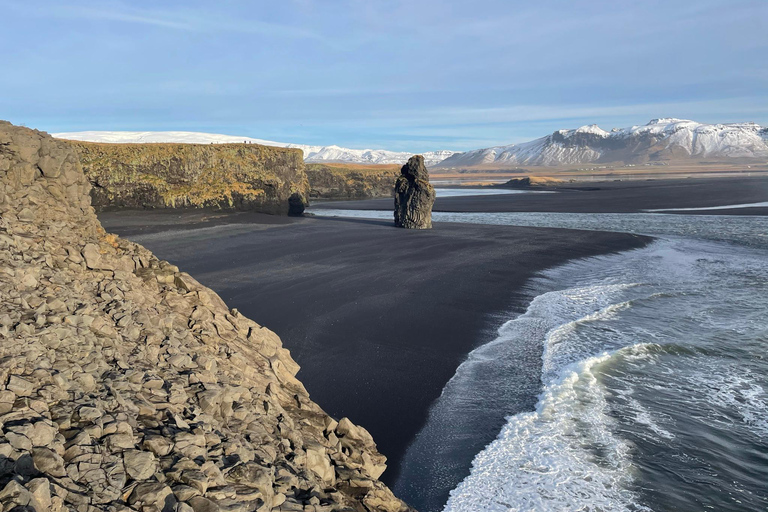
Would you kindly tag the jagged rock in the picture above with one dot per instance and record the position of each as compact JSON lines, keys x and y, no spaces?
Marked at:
{"x":15,"y":494}
{"x":154,"y":494}
{"x":139,"y":465}
{"x":318,"y":461}
{"x":126,"y":385}
{"x":200,"y":504}
{"x":40,"y":492}
{"x":48,"y":462}
{"x":158,"y":445}
{"x":19,"y":386}
{"x":414,"y":196}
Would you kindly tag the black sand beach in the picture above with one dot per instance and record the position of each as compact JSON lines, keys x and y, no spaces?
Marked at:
{"x":378,"y":318}
{"x":606,"y":197}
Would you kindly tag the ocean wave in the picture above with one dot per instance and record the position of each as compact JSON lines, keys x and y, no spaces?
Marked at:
{"x":563,"y":456}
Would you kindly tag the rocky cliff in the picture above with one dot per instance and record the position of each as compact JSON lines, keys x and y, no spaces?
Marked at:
{"x":340,"y":181}
{"x":229,"y":176}
{"x":126,"y":385}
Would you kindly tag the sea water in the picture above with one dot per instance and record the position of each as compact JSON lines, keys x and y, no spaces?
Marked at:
{"x":634,"y":381}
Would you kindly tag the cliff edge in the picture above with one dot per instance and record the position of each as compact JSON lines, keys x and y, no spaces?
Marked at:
{"x":126,"y":385}
{"x":227,"y":176}
{"x":345,"y":181}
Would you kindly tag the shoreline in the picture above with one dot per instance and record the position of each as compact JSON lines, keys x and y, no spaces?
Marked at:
{"x":378,"y":318}
{"x":603,"y":197}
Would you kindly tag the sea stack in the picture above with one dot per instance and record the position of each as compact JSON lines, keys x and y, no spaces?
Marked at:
{"x":414,"y":196}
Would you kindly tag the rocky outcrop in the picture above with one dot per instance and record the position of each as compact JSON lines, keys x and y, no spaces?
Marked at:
{"x":227,"y":176}
{"x":297,"y":203}
{"x":414,"y":196}
{"x":340,"y":181}
{"x":126,"y":385}
{"x":530,"y":182}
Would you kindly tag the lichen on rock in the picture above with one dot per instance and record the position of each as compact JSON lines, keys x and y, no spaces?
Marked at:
{"x":414,"y":196}
{"x":225,"y":176}
{"x":126,"y":385}
{"x":351,"y":181}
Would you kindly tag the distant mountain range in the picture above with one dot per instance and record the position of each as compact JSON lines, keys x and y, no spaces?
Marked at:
{"x":312,"y":154}
{"x":661,"y":140}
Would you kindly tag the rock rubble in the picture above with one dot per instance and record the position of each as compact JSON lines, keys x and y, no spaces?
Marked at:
{"x":126,"y":385}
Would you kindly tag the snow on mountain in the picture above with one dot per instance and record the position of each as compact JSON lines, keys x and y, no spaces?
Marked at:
{"x":312,"y":154}
{"x":659,"y":140}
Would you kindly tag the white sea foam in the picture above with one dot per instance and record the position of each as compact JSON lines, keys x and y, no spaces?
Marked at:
{"x":563,"y":456}
{"x":611,"y":346}
{"x":703,"y":208}
{"x":653,"y":373}
{"x":736,"y":390}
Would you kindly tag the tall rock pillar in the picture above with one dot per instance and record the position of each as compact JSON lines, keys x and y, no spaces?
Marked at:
{"x":414,"y":196}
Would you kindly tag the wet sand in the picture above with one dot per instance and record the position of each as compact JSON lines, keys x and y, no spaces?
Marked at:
{"x":605,"y":197}
{"x":378,"y":318}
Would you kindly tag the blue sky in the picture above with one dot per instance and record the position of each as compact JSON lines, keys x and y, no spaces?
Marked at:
{"x":412,"y":75}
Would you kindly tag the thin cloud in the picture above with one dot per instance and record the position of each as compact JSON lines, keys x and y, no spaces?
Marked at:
{"x":184,"y":19}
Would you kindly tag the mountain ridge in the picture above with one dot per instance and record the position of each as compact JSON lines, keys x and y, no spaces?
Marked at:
{"x":660,"y":140}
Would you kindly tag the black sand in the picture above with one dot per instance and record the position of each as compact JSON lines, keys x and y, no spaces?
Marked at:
{"x":606,"y":197}
{"x":378,"y":317}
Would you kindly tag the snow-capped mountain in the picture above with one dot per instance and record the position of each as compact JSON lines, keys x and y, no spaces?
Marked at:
{"x":659,"y":140}
{"x":312,"y":154}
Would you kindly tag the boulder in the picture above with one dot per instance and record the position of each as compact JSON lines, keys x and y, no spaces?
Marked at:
{"x":414,"y":196}
{"x":296,"y":204}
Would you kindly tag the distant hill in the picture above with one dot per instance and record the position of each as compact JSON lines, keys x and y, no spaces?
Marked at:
{"x":661,"y":140}
{"x":312,"y":154}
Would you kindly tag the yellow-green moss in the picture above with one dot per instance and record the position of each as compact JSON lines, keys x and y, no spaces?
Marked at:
{"x":243,"y":176}
{"x":351,"y":181}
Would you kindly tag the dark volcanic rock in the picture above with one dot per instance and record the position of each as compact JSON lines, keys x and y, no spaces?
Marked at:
{"x":340,"y":181}
{"x":296,"y":204}
{"x":414,"y":196}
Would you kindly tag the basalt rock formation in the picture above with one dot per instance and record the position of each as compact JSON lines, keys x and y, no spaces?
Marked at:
{"x":297,"y":203}
{"x":126,"y":385}
{"x":414,"y":196}
{"x":226,"y":176}
{"x":345,"y":181}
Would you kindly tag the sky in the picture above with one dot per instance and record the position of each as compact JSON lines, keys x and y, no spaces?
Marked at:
{"x":410,"y":75}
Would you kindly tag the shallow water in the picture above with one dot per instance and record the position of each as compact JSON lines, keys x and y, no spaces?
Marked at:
{"x":468,"y":191}
{"x":634,"y":381}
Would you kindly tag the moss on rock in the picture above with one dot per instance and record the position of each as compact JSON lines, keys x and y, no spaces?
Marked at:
{"x":345,"y":181}
{"x":227,"y":176}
